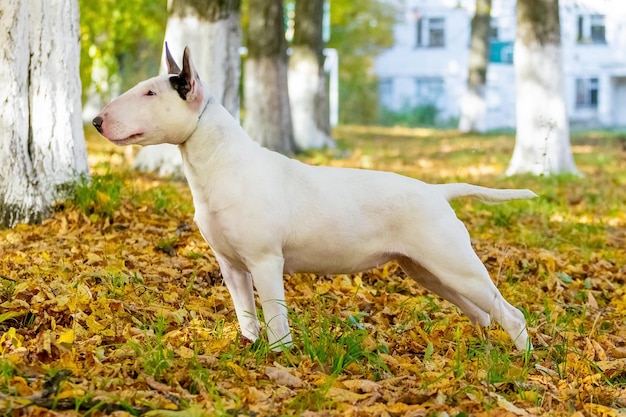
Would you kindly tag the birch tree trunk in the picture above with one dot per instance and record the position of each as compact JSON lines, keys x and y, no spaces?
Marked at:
{"x":212,"y":29}
{"x":268,"y":116}
{"x":542,"y":144}
{"x":42,"y":145}
{"x":307,"y":80}
{"x":473,"y":104}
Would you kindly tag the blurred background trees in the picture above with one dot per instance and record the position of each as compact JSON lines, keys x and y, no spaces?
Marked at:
{"x":268,"y":114}
{"x":212,"y":30}
{"x":474,"y":104}
{"x":360,"y":31}
{"x":121,"y":44}
{"x":542,"y":142}
{"x":308,"y":90}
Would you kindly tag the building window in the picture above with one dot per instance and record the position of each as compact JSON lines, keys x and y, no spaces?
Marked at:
{"x":587,"y":93}
{"x":501,"y":52}
{"x":428,"y":90}
{"x":430,"y":32}
{"x":597,"y":29}
{"x":581,"y":29}
{"x":419,"y":42}
{"x":385,"y":92}
{"x":436,"y":32}
{"x":493,"y":29}
{"x":591,"y":29}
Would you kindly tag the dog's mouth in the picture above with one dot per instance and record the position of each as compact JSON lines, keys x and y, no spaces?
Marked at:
{"x":135,"y":136}
{"x":128,"y":139}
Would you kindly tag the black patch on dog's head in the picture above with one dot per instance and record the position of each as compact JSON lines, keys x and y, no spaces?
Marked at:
{"x":181,"y":85}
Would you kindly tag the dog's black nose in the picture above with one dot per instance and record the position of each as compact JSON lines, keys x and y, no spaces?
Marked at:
{"x":97,"y":122}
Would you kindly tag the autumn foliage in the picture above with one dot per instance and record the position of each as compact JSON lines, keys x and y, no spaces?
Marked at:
{"x":115,"y":305}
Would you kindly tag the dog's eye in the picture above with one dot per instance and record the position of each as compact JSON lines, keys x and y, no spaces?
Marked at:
{"x":151,"y":93}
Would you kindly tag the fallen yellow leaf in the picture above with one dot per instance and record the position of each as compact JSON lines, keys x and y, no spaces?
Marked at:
{"x":66,"y":337}
{"x":282,"y":377}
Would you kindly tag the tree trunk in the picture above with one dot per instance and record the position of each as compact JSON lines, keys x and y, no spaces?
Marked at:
{"x":42,"y":146}
{"x":542,"y":144}
{"x":307,"y":80}
{"x":212,"y":30}
{"x":473,"y":105}
{"x":268,"y":116}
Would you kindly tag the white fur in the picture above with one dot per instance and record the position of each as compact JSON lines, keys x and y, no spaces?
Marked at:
{"x":264,"y":214}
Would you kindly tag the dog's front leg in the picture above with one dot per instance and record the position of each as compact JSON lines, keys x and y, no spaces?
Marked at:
{"x":268,"y":280}
{"x":239,"y":284}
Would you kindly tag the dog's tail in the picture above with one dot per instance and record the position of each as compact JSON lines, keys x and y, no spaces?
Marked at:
{"x":487,"y":195}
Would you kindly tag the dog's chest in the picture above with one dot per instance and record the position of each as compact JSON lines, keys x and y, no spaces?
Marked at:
{"x":210,"y":229}
{"x":215,"y":233}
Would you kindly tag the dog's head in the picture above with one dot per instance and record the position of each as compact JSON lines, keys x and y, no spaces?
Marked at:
{"x":163,"y":109}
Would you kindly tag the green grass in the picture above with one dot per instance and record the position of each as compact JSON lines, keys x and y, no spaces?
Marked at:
{"x":117,"y":283}
{"x":157,"y":291}
{"x":155,"y":357}
{"x":168,"y":245}
{"x":100,"y":196}
{"x":335,"y":344}
{"x":7,"y":371}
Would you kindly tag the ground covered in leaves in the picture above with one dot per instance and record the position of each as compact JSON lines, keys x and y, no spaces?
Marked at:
{"x":115,"y":305}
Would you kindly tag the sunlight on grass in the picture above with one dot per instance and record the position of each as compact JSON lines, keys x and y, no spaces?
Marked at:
{"x":124,"y":271}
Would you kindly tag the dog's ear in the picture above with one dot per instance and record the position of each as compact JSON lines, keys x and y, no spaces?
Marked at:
{"x":187,"y":83}
{"x":172,"y":66}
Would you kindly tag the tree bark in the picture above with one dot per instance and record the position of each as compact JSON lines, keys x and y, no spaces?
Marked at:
{"x":212,"y":30}
{"x":42,"y":148}
{"x":307,"y":80}
{"x":473,"y":104}
{"x":268,"y":116}
{"x":542,"y":143}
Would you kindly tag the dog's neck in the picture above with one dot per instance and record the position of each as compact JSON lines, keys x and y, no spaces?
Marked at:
{"x":206,"y":104}
{"x":211,"y":153}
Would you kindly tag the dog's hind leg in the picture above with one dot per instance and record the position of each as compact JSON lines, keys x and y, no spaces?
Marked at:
{"x":432,"y":283}
{"x":268,"y":281}
{"x":239,"y":284}
{"x":449,"y":257}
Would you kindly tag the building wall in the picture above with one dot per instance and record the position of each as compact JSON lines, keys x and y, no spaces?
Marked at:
{"x":586,"y":60}
{"x":406,"y":68}
{"x":409,"y":67}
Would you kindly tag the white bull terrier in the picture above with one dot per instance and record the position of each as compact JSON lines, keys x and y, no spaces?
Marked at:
{"x":265,"y":215}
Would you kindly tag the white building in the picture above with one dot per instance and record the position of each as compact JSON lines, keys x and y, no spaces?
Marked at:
{"x":428,"y":63}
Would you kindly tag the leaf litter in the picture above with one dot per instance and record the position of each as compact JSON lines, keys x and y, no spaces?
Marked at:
{"x":116,"y":306}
